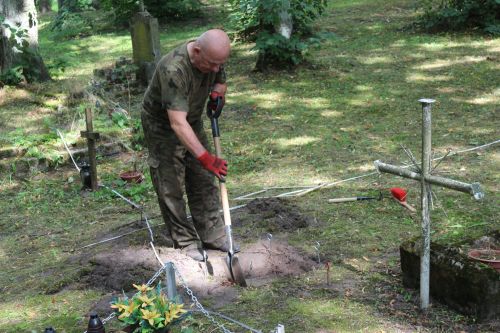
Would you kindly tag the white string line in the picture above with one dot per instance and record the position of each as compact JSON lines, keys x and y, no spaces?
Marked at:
{"x":307,"y":190}
{"x":328,"y":185}
{"x":149,"y":228}
{"x":136,"y":206}
{"x":468,"y":149}
{"x":242,"y":197}
{"x":137,"y":230}
{"x":116,"y":237}
{"x":69,"y":152}
{"x":156,"y":254}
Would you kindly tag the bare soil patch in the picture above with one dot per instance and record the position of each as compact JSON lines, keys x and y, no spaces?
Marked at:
{"x":130,"y":260}
{"x":277,"y":215}
{"x":115,"y":272}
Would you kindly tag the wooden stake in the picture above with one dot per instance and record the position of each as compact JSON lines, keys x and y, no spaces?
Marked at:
{"x":92,"y":137}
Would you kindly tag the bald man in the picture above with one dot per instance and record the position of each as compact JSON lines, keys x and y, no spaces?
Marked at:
{"x":178,"y":147}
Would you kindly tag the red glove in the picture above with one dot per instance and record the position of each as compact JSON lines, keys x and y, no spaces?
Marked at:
{"x":212,"y":163}
{"x":212,"y":104}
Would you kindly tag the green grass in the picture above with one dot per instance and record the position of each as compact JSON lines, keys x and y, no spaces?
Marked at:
{"x":355,"y":102}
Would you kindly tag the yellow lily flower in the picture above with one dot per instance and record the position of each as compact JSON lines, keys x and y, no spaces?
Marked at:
{"x":173,"y":312}
{"x":163,"y":300}
{"x":128,"y":310}
{"x":120,"y":307}
{"x":145,"y":300}
{"x":150,"y":316}
{"x":142,"y":288}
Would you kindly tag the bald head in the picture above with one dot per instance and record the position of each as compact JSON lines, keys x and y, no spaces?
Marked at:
{"x":215,"y":43}
{"x":209,"y":51}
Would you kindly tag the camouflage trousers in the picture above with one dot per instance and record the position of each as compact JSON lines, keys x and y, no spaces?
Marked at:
{"x":174,"y":169}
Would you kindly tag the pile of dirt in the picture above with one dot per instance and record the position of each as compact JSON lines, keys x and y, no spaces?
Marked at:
{"x":131,"y":261}
{"x":273,"y":214}
{"x":117,"y":271}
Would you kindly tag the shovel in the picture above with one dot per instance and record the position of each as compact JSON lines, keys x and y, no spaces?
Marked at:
{"x":355,"y":199}
{"x":233,"y":264}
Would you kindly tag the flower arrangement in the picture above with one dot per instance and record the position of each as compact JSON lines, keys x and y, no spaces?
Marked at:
{"x":149,"y":310}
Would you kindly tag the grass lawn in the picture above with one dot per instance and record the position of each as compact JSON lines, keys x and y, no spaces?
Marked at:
{"x":356,"y":101}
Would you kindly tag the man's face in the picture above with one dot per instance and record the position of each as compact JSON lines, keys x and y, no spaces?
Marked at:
{"x":210,"y":62}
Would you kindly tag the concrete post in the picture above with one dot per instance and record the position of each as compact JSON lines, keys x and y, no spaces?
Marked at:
{"x":170,"y":282}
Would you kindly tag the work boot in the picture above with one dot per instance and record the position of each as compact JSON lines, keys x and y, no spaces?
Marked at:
{"x":193,"y":251}
{"x":221,"y":245}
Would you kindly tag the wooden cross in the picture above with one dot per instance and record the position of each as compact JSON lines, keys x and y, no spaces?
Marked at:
{"x":92,"y":137}
{"x":423,"y":174}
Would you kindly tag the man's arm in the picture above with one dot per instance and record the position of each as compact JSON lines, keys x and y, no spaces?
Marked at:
{"x":185,"y":133}
{"x":221,"y":88}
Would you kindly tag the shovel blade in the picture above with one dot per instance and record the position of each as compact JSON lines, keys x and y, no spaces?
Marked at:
{"x":234,"y":271}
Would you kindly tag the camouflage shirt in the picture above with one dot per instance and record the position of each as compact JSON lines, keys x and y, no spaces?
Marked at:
{"x":178,"y":85}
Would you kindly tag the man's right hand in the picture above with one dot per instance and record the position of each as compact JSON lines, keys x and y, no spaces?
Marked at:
{"x":212,"y":163}
{"x":213,"y":101}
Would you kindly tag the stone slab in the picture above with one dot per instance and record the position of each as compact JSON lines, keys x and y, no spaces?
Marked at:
{"x":469,"y":287}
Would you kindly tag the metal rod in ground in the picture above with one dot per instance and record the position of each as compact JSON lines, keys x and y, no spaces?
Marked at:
{"x":170,"y":282}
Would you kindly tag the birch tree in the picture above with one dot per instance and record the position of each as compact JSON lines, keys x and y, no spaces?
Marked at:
{"x":20,"y":49}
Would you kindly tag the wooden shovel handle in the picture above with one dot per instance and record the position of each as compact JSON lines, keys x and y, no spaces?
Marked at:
{"x":223,"y":190}
{"x":343,"y":199}
{"x":408,"y":206}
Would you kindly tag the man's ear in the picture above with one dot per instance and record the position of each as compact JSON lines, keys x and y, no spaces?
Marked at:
{"x":196,"y":50}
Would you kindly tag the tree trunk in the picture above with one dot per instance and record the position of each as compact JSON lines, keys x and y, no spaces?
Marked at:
{"x":45,"y":6}
{"x":22,"y":14}
{"x":60,"y":4}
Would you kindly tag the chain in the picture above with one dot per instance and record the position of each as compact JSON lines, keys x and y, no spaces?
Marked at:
{"x":157,"y":274}
{"x":108,"y":318}
{"x":198,"y":304}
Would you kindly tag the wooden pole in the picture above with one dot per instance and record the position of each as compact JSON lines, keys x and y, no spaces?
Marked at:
{"x":472,"y":189}
{"x":425,"y":199}
{"x":91,"y":139}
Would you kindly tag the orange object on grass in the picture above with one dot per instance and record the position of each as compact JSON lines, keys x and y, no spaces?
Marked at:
{"x":399,"y":193}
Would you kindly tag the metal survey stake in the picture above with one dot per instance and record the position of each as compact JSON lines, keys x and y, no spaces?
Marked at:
{"x":92,"y":137}
{"x":269,"y":238}
{"x":316,"y":247}
{"x":426,"y":179}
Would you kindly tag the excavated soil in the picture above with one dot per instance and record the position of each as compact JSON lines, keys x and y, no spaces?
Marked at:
{"x":262,"y":260}
{"x":277,"y":214}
